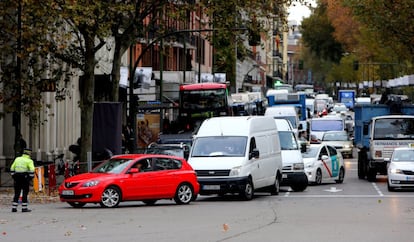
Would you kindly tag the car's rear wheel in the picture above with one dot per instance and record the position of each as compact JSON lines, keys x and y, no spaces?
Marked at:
{"x":248,"y":192}
{"x":318,"y":177}
{"x":149,"y":202}
{"x":341,"y":176}
{"x":76,"y":204}
{"x":110,"y":197}
{"x":184,"y":194}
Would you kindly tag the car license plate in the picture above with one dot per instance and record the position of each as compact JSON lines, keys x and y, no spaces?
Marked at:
{"x":68,"y":192}
{"x":211,"y":187}
{"x":284,"y":176}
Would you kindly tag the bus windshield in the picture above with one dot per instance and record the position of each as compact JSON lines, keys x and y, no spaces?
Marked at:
{"x":201,"y":100}
{"x":394,"y":128}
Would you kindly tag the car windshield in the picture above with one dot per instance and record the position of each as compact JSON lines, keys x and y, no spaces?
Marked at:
{"x":233,"y":146}
{"x":112,"y":166}
{"x":311,"y":152}
{"x":403,"y":155}
{"x":288,"y":140}
{"x":335,"y":137}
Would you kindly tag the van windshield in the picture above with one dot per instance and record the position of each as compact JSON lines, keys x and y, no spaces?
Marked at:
{"x":327,"y":125}
{"x":292,"y":120}
{"x":288,"y":140}
{"x":234,"y":146}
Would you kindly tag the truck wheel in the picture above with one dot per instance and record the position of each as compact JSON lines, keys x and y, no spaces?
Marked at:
{"x":361,"y":172}
{"x":372,"y":173}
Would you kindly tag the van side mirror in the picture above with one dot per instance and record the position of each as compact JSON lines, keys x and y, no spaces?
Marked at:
{"x":303,"y":147}
{"x":254,"y":154}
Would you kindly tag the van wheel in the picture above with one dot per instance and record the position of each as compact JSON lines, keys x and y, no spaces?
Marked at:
{"x":275,"y":189}
{"x":248,"y":192}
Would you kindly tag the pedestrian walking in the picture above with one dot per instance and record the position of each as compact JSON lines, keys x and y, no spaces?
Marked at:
{"x":22,"y":171}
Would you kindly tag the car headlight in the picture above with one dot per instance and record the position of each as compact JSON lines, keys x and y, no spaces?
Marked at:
{"x":90,"y":183}
{"x":235,"y":171}
{"x":298,"y":166}
{"x":396,"y":171}
{"x":347,"y":146}
{"x":309,"y":165}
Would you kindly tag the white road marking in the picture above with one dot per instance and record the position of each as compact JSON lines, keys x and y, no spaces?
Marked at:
{"x":377,"y":189}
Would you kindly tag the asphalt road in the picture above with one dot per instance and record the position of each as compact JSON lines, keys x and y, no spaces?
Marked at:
{"x":356,"y":210}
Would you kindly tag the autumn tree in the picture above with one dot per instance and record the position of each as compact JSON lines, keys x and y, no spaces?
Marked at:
{"x":389,"y":20}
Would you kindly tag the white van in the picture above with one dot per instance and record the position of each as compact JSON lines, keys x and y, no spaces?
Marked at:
{"x":293,"y":167}
{"x":237,"y":155}
{"x":284,"y":112}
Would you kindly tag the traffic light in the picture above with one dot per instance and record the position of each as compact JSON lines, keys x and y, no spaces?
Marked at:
{"x":300,"y":64}
{"x":356,"y":65}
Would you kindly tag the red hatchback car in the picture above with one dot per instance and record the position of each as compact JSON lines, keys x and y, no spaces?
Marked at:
{"x":132,"y":177}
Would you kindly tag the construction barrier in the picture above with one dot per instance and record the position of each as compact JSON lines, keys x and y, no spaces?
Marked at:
{"x":39,"y":179}
{"x":52,"y":178}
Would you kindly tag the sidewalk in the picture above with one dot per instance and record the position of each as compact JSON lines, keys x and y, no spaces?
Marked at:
{"x":7,"y":192}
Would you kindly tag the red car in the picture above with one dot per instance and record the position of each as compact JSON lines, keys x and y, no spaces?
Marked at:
{"x":132,"y":177}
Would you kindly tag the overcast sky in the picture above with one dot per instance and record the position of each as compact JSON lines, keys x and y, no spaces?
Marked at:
{"x":299,"y":12}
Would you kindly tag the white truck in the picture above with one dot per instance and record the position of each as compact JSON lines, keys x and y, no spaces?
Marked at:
{"x":379,"y":129}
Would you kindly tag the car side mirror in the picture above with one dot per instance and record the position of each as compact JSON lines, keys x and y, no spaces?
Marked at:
{"x":325,"y":157}
{"x":303,"y":147}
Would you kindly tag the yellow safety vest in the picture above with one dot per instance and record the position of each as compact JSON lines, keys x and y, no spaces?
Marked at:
{"x":22,"y":164}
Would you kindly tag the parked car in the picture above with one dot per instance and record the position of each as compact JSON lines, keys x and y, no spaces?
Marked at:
{"x":132,"y":177}
{"x":340,"y":140}
{"x":323,"y":163}
{"x":401,"y":169}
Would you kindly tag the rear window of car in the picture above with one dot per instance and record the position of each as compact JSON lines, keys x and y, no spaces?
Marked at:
{"x":327,"y":125}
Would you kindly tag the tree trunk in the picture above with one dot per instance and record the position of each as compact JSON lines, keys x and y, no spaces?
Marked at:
{"x":87,"y":100}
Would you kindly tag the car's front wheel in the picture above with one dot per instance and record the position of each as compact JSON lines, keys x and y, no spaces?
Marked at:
{"x":110,"y":197}
{"x":76,"y":204}
{"x":184,"y":194}
{"x":318,"y":177}
{"x":390,"y":188}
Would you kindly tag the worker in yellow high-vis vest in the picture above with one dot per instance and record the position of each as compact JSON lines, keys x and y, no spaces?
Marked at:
{"x":22,"y":171}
